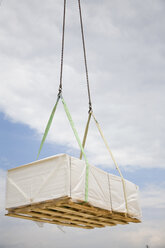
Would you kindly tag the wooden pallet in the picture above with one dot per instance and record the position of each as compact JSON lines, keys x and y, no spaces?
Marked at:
{"x":66,"y":212}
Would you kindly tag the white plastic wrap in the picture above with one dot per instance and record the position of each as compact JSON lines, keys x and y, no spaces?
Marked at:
{"x":62,"y":175}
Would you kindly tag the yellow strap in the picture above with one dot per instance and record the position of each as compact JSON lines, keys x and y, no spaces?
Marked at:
{"x":117,"y":167}
{"x":85,"y":133}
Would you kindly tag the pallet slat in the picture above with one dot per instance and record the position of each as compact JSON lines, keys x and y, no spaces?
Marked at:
{"x":67,"y":212}
{"x":46,"y":221}
{"x":109,"y":221}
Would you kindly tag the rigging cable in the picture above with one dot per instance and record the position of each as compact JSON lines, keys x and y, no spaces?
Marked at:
{"x":85,"y":58}
{"x":62,"y":49}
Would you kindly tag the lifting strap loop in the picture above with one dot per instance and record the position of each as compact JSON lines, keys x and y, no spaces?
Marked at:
{"x":107,"y":146}
{"x":76,"y":136}
{"x":80,"y":145}
{"x":117,"y":167}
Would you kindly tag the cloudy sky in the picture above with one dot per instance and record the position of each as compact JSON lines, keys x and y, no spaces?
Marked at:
{"x":126,"y":61}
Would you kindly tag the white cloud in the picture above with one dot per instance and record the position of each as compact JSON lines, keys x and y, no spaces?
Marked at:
{"x":126,"y":70}
{"x":153,"y":196}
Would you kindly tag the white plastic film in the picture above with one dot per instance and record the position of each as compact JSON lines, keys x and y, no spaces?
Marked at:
{"x":62,"y":175}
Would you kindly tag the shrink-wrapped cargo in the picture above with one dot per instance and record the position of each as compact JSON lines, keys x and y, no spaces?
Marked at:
{"x":59,"y":181}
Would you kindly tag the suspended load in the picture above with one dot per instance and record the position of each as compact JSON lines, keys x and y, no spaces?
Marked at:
{"x":68,"y":191}
{"x":52,"y":190}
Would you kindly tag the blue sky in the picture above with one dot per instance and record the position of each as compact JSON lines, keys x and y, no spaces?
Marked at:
{"x":126,"y":60}
{"x":20,"y":144}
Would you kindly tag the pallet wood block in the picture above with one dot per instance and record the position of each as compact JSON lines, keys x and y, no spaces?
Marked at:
{"x":52,"y":191}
